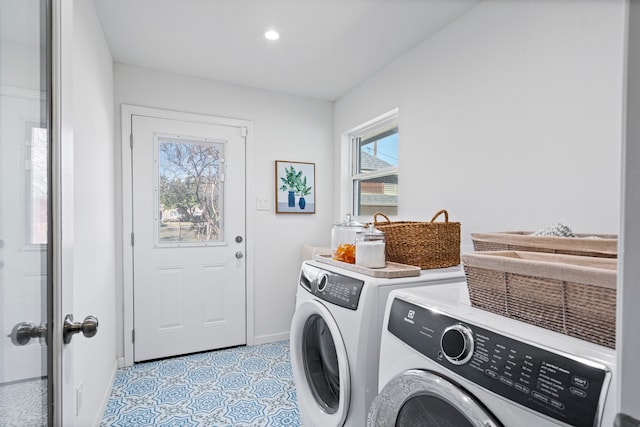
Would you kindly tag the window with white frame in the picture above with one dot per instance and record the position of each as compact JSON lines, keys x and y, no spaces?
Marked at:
{"x":374,"y":166}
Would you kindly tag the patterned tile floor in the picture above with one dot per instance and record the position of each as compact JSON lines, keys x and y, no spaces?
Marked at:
{"x":242,"y":386}
{"x":23,"y":403}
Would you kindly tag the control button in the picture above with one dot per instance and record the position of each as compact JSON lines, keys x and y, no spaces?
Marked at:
{"x":323,"y":283}
{"x":580,"y":382}
{"x":506,"y":381}
{"x":578,"y":392}
{"x":540,"y":396}
{"x":522,"y":388}
{"x":457,"y":345}
{"x":483,"y":357}
{"x":491,"y":373}
{"x":557,"y":404}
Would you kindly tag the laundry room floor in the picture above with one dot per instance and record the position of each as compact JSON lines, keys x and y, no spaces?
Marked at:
{"x":241,"y":386}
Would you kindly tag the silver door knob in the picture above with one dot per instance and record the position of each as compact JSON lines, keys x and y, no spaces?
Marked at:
{"x":89,"y":327}
{"x":239,"y":254}
{"x":23,"y":332}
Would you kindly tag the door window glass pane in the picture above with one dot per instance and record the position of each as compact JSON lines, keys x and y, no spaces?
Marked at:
{"x":37,"y":183}
{"x":426,"y":410}
{"x":321,"y":364}
{"x":190,"y":191}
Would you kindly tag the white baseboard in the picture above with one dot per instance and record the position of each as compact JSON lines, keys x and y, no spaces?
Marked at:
{"x":107,"y":394}
{"x":266,"y":339}
{"x":120,"y":361}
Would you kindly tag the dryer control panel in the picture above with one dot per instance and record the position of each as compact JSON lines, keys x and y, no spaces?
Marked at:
{"x":559,"y":386}
{"x":331,"y":287}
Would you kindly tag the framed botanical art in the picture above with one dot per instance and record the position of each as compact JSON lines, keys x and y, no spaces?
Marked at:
{"x":295,"y":187}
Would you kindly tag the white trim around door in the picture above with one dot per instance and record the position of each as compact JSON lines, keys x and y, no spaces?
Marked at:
{"x":127,"y":220}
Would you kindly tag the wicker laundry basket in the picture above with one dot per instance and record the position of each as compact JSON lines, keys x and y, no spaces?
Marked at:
{"x":597,"y":245}
{"x":574,"y":295}
{"x":428,"y":245}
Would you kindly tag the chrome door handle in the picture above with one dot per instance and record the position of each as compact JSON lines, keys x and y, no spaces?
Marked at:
{"x":239,"y":254}
{"x":23,"y":332}
{"x":89,"y":327}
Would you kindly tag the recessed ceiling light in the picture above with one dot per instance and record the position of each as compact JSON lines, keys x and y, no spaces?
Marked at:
{"x":272,"y":35}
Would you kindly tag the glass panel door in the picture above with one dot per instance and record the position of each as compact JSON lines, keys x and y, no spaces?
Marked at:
{"x":25,"y":229}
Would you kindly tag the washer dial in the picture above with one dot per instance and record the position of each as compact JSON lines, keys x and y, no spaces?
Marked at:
{"x":457,"y":344}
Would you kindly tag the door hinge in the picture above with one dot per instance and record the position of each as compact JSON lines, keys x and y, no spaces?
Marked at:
{"x":133,"y":336}
{"x":131,"y":141}
{"x":132,"y":238}
{"x":244,"y":131}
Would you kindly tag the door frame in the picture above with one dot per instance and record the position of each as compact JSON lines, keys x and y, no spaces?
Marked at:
{"x":62,"y":208}
{"x":127,"y":111}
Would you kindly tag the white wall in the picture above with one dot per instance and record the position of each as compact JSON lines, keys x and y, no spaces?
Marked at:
{"x":510,"y":117}
{"x":94,"y":253}
{"x":285,"y":128}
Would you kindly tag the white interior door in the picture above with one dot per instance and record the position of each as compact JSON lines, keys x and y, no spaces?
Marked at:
{"x":26,"y":355}
{"x":189,"y":280}
{"x":23,"y":253}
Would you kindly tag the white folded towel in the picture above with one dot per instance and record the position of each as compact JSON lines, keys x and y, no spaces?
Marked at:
{"x":557,"y":230}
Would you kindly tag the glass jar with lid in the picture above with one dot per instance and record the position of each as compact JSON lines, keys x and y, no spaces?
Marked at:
{"x":343,"y":239}
{"x":370,"y":248}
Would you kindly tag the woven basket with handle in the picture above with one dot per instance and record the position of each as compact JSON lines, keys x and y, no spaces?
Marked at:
{"x":424,"y":244}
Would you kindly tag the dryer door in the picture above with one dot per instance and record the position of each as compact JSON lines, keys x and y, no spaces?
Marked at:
{"x":320,"y":366}
{"x":422,"y":398}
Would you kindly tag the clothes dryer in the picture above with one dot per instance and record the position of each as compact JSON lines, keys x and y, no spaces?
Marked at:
{"x":335,"y":339}
{"x":445,"y":363}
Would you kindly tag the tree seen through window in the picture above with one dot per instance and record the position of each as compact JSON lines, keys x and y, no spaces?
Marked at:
{"x":190,"y":191}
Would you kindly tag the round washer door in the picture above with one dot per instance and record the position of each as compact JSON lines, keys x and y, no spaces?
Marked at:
{"x":320,"y":366}
{"x":422,"y":398}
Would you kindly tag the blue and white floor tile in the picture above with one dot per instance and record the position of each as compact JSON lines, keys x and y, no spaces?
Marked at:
{"x":242,"y":386}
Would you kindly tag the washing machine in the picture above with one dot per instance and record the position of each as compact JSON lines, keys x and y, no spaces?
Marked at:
{"x":445,"y":363}
{"x":335,"y":339}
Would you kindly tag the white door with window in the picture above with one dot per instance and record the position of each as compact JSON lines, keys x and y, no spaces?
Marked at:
{"x":188,"y":202}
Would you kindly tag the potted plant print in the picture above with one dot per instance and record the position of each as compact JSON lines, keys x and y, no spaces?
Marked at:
{"x":289,"y":183}
{"x":302,"y":190}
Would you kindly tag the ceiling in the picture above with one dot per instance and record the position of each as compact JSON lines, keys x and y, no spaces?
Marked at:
{"x":326,"y":48}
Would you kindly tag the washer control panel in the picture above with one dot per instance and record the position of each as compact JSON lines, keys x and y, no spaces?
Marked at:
{"x":564,"y":388}
{"x":331,"y":287}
